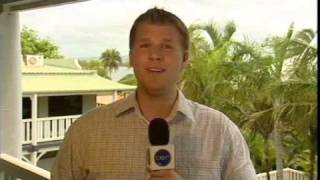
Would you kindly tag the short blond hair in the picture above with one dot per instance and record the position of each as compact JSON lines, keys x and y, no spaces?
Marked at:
{"x":162,"y":17}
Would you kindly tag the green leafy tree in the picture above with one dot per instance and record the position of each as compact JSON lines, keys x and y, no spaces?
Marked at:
{"x":129,"y":79}
{"x":217,"y":36}
{"x":32,"y":44}
{"x":205,"y":73}
{"x":111,"y":60}
{"x":94,"y":65}
{"x":282,"y":96}
{"x":254,"y":85}
{"x":220,"y":76}
{"x":295,"y":86}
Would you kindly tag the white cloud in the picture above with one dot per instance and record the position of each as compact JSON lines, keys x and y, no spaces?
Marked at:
{"x":85,"y":29}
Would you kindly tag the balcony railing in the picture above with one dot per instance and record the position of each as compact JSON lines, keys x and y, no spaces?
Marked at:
{"x":46,"y":129}
{"x":288,"y":174}
{"x":14,"y":168}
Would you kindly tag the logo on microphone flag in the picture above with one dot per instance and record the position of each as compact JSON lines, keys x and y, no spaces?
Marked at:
{"x":162,"y":157}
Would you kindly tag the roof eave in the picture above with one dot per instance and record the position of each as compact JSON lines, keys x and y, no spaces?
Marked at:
{"x":18,"y":5}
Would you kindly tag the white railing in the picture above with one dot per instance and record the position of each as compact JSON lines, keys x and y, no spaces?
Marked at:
{"x":46,"y":129}
{"x":100,"y":104}
{"x":14,"y":168}
{"x":288,"y":174}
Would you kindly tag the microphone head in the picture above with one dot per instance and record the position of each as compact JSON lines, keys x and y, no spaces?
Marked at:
{"x":158,"y":132}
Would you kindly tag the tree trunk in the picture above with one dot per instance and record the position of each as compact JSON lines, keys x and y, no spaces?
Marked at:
{"x":312,"y":152}
{"x":267,"y":156}
{"x":279,"y":150}
{"x":312,"y":161}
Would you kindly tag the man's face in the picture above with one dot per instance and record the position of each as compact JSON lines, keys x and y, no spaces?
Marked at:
{"x":157,"y":56}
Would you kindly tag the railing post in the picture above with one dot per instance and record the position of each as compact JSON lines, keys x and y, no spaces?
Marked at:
{"x":34,"y":138}
{"x":114,"y":97}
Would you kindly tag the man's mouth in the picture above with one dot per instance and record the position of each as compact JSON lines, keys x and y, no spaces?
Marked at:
{"x":155,"y":70}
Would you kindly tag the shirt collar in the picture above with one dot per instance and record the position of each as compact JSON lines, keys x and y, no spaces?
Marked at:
{"x":184,"y":107}
{"x":131,"y":103}
{"x":126,"y":104}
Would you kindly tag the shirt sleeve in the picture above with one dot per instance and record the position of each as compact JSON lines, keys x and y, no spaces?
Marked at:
{"x":238,"y":165}
{"x":67,"y":165}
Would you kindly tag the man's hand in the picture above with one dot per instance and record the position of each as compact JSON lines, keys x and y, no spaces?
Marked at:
{"x":164,"y":175}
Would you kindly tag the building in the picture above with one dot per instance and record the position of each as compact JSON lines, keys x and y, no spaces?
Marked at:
{"x":55,"y":93}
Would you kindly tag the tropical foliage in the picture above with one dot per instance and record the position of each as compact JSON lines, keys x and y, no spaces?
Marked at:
{"x":32,"y":44}
{"x":94,"y":65}
{"x":111,"y":60}
{"x":129,"y":79}
{"x":268,"y":89}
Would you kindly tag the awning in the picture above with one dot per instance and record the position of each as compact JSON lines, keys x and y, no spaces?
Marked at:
{"x":69,"y":83}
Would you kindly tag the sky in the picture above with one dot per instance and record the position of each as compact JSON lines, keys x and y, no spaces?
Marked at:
{"x":86,"y":29}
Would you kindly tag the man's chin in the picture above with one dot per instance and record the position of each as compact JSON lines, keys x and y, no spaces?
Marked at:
{"x":156,"y":89}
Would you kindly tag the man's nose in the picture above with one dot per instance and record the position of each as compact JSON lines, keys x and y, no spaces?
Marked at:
{"x":156,"y":53}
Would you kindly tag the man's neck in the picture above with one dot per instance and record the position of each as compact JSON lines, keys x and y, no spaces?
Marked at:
{"x":156,"y":105}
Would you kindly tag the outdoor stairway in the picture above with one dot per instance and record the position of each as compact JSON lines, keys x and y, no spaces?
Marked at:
{"x":13,"y":168}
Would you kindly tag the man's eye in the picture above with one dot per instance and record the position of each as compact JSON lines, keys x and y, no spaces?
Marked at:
{"x":144,"y":45}
{"x":167,"y":46}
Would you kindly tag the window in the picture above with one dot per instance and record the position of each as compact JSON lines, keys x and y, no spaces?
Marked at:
{"x":26,"y":108}
{"x":65,"y":105}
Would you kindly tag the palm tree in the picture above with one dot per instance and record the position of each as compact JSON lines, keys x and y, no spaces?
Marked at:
{"x":282,"y":99}
{"x":256,"y":87}
{"x":290,"y":98}
{"x":230,"y":77}
{"x":253,"y":97}
{"x":296,"y":89}
{"x":111,"y":60}
{"x":205,"y":74}
{"x":218,"y":37}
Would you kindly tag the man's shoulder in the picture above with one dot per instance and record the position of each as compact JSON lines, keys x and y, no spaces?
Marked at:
{"x":210,"y":115}
{"x":202,"y":111}
{"x":205,"y":110}
{"x":103,"y":113}
{"x":217,"y":121}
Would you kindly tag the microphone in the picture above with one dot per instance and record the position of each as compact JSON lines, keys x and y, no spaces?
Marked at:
{"x":161,"y":153}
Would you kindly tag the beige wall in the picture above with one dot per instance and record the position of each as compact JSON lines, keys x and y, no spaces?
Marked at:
{"x":46,"y":163}
{"x":88,"y":102}
{"x":106,"y":99}
{"x":43,"y":107}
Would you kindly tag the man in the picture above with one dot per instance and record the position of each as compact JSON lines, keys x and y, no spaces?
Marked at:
{"x":111,"y":142}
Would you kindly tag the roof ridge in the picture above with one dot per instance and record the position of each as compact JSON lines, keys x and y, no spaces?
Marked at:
{"x":90,"y":72}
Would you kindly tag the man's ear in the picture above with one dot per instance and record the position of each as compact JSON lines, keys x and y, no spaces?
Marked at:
{"x":185,"y":60}
{"x":130,"y":61}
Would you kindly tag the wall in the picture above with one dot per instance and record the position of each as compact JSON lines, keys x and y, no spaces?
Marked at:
{"x":42,"y":106}
{"x":46,"y":163}
{"x":88,"y":102}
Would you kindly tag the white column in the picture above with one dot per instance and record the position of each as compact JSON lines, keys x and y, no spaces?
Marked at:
{"x":114,"y":97}
{"x":34,"y":116}
{"x":10,"y":85}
